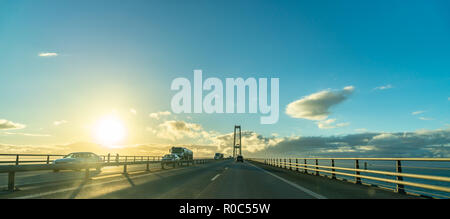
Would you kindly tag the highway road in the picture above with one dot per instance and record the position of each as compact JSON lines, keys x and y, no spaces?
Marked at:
{"x":217,"y":179}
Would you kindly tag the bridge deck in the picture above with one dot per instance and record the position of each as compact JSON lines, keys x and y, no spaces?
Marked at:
{"x":223,"y":179}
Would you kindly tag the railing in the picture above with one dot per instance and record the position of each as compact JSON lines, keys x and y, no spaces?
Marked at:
{"x":107,"y":160}
{"x":18,"y":159}
{"x":438,"y":184}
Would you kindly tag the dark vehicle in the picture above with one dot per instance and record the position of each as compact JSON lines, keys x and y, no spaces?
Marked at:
{"x":80,"y":158}
{"x":218,"y":156}
{"x":183,"y":153}
{"x":240,"y":158}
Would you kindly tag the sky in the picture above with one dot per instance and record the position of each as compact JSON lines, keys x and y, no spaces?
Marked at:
{"x":365,"y":78}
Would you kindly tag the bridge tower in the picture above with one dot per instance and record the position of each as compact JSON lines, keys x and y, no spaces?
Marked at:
{"x":237,"y":141}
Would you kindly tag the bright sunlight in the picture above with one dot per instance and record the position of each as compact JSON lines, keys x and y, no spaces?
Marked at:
{"x":109,"y":131}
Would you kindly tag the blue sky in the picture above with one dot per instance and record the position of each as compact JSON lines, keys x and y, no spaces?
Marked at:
{"x":124,"y":54}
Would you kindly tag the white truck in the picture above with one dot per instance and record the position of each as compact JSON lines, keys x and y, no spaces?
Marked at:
{"x":183,"y":153}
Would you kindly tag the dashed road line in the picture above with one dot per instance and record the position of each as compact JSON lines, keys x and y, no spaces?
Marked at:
{"x":214,"y":178}
{"x":309,"y":192}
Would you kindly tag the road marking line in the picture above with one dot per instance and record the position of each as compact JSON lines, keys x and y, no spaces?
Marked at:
{"x":309,"y":192}
{"x":214,"y":178}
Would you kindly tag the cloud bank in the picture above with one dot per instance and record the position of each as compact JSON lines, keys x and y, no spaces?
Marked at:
{"x":423,"y":143}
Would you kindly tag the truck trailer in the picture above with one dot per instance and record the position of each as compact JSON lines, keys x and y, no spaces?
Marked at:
{"x":183,"y":153}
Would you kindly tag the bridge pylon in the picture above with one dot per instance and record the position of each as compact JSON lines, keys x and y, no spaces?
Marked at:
{"x":237,"y":146}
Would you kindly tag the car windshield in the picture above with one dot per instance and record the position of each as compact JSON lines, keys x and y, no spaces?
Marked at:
{"x":79,"y":155}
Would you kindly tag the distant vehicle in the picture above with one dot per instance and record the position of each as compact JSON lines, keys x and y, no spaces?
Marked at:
{"x":183,"y":153}
{"x":79,"y":158}
{"x":170,"y":157}
{"x":218,"y":156}
{"x":240,"y":158}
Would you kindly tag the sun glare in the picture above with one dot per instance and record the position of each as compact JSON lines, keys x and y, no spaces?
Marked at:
{"x":109,"y":131}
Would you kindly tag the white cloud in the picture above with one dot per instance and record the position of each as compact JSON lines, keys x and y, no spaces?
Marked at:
{"x":361,"y":130}
{"x":133,"y":111}
{"x":48,"y":54}
{"x":27,"y":134}
{"x":385,"y":87}
{"x":174,"y":130}
{"x":417,"y":112}
{"x":5,"y":124}
{"x":329,"y":124}
{"x":251,"y":142}
{"x":425,"y":118}
{"x":158,"y":115}
{"x":58,"y":123}
{"x":317,"y":106}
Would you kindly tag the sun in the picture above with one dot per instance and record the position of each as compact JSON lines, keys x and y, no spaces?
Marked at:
{"x":109,"y":131}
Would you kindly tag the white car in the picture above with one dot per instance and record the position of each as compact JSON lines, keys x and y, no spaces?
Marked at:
{"x":170,"y":157}
{"x":79,"y":158}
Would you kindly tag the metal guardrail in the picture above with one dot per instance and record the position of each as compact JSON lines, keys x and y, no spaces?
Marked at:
{"x":18,"y":159}
{"x":297,"y":164}
{"x":107,"y":160}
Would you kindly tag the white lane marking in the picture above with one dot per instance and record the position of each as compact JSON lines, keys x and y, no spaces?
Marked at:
{"x":214,"y":178}
{"x":309,"y":192}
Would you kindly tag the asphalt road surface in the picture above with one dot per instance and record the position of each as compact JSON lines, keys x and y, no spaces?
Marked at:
{"x":216,"y":179}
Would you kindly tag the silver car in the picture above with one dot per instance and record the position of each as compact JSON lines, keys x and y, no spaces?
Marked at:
{"x":170,"y":157}
{"x":80,"y":158}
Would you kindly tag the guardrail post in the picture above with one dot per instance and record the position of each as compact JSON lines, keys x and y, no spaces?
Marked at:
{"x":317,"y":168}
{"x":148,"y":166}
{"x":285,"y":163}
{"x":306,"y":166}
{"x":17,"y":159}
{"x":400,"y":187}
{"x":357,"y":179}
{"x":125,"y":168}
{"x":11,"y":179}
{"x":117,"y":158}
{"x":333,"y":175}
{"x":87,"y":174}
{"x":290,"y":165}
{"x":134,"y":159}
{"x":109,"y":157}
{"x":365,"y":165}
{"x":48,"y":159}
{"x":296,"y":164}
